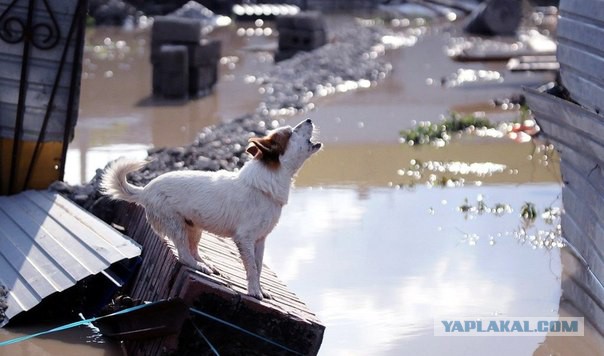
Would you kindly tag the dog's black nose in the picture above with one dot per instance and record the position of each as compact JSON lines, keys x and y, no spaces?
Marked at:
{"x":309,"y":121}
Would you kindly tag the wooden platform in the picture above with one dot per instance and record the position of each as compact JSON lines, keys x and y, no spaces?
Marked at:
{"x":284,"y":319}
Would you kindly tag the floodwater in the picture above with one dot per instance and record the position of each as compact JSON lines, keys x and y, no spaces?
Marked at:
{"x":388,"y":237}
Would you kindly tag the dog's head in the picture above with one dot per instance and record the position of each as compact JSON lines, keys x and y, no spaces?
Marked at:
{"x":285,"y":146}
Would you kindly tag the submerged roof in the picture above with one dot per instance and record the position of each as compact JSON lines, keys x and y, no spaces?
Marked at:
{"x":48,"y":244}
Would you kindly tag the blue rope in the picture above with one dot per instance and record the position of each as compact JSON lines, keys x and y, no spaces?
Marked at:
{"x":244,"y":331}
{"x":69,"y":326}
{"x":206,"y":339}
{"x":127,"y":310}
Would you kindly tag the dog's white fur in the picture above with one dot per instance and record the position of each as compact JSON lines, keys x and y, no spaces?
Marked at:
{"x":244,"y":205}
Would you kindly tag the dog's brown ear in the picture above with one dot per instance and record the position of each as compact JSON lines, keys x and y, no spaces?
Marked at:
{"x":260,"y":146}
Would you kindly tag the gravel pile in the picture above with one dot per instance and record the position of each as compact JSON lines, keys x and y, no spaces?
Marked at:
{"x":350,"y":61}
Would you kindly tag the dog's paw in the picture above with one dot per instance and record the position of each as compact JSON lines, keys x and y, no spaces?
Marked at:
{"x":256,"y":294}
{"x":266,"y":295}
{"x":207,"y":268}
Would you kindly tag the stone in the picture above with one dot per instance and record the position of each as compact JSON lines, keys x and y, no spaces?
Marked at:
{"x":174,"y":71}
{"x":175,"y":29}
{"x":303,"y":40}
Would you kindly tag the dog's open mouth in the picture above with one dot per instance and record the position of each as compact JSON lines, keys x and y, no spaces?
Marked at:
{"x":315,"y":143}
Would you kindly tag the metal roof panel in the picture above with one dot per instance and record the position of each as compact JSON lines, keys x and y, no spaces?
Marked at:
{"x":48,"y":244}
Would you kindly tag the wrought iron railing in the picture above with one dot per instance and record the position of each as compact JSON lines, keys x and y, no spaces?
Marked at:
{"x":39,"y":28}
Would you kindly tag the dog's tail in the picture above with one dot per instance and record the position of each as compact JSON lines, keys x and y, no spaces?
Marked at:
{"x":114,"y":184}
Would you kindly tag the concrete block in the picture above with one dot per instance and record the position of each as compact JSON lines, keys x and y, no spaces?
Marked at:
{"x":282,"y":55}
{"x":174,"y":71}
{"x":175,"y":29}
{"x":495,"y":18}
{"x":284,"y":21}
{"x":309,"y":20}
{"x":204,"y":53}
{"x":301,"y":40}
{"x":202,"y":79}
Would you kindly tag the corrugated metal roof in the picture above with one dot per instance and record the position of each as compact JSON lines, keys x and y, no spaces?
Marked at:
{"x":48,"y":244}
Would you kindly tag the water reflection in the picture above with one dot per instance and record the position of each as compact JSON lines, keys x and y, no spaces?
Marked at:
{"x":81,"y":340}
{"x":377,"y":270}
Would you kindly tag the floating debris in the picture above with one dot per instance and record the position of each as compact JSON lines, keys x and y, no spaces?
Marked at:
{"x":528,"y":213}
{"x":464,"y":76}
{"x":481,"y":208}
{"x":440,"y":133}
{"x":528,"y":232}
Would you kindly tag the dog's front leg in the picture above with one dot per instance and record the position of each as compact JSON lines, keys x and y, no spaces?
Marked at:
{"x":259,"y":254}
{"x":247,"y":251}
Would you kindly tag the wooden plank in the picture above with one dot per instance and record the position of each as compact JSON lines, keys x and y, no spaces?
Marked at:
{"x":584,"y":91}
{"x":577,"y":33}
{"x":568,"y":123}
{"x":584,"y":302}
{"x":574,"y":268}
{"x":575,"y":236}
{"x":580,"y":52}
{"x":581,"y":61}
{"x":586,"y":167}
{"x":587,"y":220}
{"x":590,"y":9}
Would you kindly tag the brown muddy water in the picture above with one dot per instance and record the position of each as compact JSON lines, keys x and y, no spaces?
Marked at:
{"x":379,"y":238}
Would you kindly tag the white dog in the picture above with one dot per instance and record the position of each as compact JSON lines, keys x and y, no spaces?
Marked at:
{"x":244,"y":205}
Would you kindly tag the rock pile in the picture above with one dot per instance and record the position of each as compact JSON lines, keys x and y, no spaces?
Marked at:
{"x":352,"y":60}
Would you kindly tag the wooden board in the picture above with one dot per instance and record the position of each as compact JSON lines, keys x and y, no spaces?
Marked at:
{"x":580,"y":35}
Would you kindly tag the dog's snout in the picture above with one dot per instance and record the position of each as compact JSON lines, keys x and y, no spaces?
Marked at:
{"x":306,"y":123}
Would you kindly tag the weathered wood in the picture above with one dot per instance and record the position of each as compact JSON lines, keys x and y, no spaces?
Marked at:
{"x":580,"y":35}
{"x":590,"y":9}
{"x":582,"y":288}
{"x":284,"y":319}
{"x":569,"y":124}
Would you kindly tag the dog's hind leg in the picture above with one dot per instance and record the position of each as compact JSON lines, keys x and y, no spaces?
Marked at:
{"x":247,"y":252}
{"x":193,"y":238}
{"x":176,"y":232}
